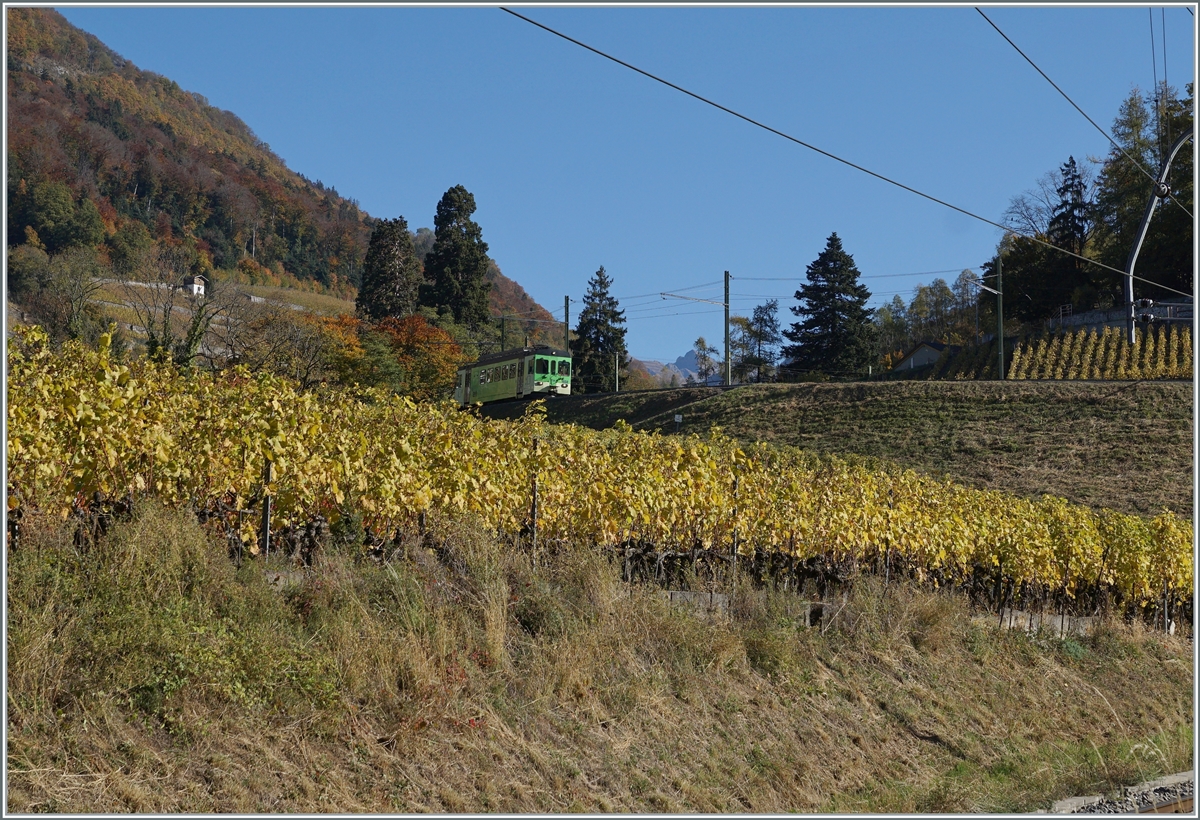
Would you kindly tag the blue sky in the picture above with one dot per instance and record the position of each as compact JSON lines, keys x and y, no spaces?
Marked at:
{"x":576,"y":162}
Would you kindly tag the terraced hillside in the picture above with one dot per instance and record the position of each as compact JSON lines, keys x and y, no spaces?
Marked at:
{"x":1122,"y":445}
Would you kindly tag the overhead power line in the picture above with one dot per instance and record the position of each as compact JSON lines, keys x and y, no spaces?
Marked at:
{"x":862,"y":276}
{"x":835,"y":157}
{"x":1139,"y":165}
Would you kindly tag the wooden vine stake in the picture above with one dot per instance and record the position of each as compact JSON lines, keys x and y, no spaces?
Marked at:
{"x":266,"y":514}
{"x":533,"y":512}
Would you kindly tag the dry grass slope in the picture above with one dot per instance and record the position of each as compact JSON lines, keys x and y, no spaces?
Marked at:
{"x":148,"y":674}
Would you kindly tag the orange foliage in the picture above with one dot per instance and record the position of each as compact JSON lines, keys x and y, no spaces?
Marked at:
{"x":427,"y":354}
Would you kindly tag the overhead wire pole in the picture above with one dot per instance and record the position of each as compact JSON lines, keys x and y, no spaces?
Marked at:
{"x":999,"y":291}
{"x":832,"y":156}
{"x":1161,"y":191}
{"x":728,"y":372}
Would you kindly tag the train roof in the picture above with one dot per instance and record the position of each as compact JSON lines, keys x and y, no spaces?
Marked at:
{"x":503,"y":356}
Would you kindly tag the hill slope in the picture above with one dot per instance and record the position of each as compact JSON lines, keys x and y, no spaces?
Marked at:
{"x":149,"y":675}
{"x":101,"y":149}
{"x":1122,"y":445}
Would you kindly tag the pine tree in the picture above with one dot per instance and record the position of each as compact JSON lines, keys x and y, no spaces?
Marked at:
{"x":838,"y":335}
{"x":391,"y":275}
{"x":456,"y":267}
{"x":599,"y":338}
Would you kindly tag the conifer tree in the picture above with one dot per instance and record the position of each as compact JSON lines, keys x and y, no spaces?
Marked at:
{"x":456,"y":267}
{"x":838,"y":336}
{"x":391,"y":273}
{"x":599,"y":342}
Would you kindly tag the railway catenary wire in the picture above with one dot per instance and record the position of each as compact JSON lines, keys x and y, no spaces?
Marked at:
{"x":1007,"y":229}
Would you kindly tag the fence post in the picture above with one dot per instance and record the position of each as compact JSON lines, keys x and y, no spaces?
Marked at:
{"x":265,"y":538}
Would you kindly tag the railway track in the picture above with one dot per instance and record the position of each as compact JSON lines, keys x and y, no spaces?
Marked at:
{"x":1179,"y":805}
{"x":1170,"y":795}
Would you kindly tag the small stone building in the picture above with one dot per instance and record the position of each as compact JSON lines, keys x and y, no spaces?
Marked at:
{"x":194,"y":285}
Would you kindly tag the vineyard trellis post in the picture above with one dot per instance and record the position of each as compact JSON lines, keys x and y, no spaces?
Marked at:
{"x":734,"y":557}
{"x":533,"y":510}
{"x":265,"y":538}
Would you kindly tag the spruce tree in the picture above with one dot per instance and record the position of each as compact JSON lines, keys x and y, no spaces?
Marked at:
{"x":456,"y":267}
{"x":599,"y":338}
{"x":391,"y":273}
{"x":838,"y":336}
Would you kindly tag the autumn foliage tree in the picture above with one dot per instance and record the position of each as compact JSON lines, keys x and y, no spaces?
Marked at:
{"x":427,"y":355}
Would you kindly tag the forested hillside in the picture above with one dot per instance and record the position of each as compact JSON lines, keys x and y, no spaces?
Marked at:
{"x":103,"y":154}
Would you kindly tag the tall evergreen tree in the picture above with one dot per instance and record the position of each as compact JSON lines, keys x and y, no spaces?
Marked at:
{"x":456,"y":266}
{"x":599,"y":341}
{"x":391,"y":275}
{"x":838,"y":335}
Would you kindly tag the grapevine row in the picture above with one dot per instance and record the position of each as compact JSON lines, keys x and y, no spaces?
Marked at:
{"x":1161,"y":352}
{"x":81,"y":423}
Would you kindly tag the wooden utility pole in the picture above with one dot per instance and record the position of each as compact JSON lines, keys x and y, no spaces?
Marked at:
{"x":566,"y":323}
{"x":1000,"y":312}
{"x":728,"y":370}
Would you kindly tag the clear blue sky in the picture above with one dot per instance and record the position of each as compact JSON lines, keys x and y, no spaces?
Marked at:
{"x":576,"y":162}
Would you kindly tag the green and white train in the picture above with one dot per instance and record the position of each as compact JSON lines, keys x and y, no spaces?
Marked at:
{"x":514,"y":374}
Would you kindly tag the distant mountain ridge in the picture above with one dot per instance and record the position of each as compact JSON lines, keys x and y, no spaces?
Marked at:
{"x":155,"y":161}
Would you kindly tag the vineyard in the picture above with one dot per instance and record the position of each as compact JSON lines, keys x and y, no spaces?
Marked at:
{"x":1162,"y":352}
{"x":83,"y":429}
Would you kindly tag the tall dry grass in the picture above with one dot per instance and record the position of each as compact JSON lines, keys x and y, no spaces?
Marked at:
{"x":147,"y":673}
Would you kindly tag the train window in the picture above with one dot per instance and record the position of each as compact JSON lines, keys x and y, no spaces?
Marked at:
{"x":482,"y":377}
{"x":543,"y":366}
{"x":564,"y":368}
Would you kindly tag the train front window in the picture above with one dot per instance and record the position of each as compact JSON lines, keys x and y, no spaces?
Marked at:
{"x":564,"y":368}
{"x":543,"y":366}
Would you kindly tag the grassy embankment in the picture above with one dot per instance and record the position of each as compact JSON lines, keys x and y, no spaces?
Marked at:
{"x":148,"y":674}
{"x":1122,"y":445}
